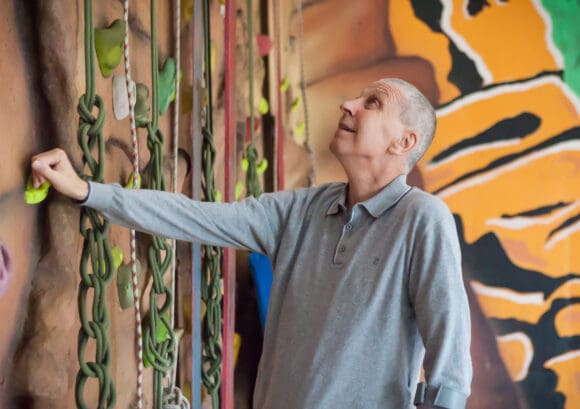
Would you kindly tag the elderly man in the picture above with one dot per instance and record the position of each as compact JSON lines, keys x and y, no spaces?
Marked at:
{"x":367,"y":275}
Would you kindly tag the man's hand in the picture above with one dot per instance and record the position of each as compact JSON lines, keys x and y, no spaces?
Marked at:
{"x":55,"y":166}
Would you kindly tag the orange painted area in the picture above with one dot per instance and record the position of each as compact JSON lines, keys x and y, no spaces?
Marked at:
{"x":412,"y":37}
{"x":527,"y":184}
{"x":509,"y":37}
{"x":545,"y":99}
{"x":517,"y":352}
{"x":567,"y":369}
{"x":567,"y":321}
{"x":505,"y":303}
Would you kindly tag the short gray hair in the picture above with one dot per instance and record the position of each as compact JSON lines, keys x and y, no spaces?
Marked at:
{"x":418,"y":114}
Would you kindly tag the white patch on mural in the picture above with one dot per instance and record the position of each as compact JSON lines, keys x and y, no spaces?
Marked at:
{"x":555,"y":51}
{"x":536,"y":298}
{"x":528,"y":348}
{"x":473,"y":149}
{"x":562,"y":235}
{"x":523,"y":161}
{"x":490,"y":93}
{"x":523,"y":222}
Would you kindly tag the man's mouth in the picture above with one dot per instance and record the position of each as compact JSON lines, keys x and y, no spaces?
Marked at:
{"x":345,"y":127}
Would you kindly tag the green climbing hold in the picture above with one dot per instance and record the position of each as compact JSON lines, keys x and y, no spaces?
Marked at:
{"x":285,"y":84}
{"x":34,"y":195}
{"x":161,"y":334}
{"x":129,"y":184}
{"x":125,"y":284}
{"x":262,"y":166}
{"x":264,"y":107}
{"x":142,"y":105}
{"x":295,"y":104}
{"x":239,"y":190}
{"x":166,"y":85}
{"x":109,"y":46}
{"x":117,"y":256}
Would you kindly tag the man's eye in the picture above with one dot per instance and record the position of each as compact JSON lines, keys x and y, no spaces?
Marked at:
{"x":372,"y":102}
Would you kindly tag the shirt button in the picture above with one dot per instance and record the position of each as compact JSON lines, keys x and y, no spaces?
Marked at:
{"x":341,"y":249}
{"x":348,"y":226}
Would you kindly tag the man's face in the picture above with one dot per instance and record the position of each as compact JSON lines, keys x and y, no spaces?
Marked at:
{"x":370,"y":123}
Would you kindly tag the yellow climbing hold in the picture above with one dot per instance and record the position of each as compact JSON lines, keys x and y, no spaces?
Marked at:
{"x":218,"y":196}
{"x":264,"y":107}
{"x":237,"y":345}
{"x":109,"y":46}
{"x":187,"y":10}
{"x":299,"y":133}
{"x":34,"y":195}
{"x":262,"y":166}
{"x":245,"y":164}
{"x":285,"y":84}
{"x":295,"y":104}
{"x":239,"y":190}
{"x":129,"y":184}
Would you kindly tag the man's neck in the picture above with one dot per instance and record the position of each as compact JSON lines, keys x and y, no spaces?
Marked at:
{"x":363,"y":186}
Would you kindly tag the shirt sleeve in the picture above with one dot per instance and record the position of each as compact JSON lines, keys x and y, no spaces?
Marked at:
{"x":441,"y":308}
{"x":251,"y":224}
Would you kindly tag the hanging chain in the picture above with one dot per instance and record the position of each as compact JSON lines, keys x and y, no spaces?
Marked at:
{"x":211,"y":292}
{"x":158,"y":336}
{"x":96,"y":266}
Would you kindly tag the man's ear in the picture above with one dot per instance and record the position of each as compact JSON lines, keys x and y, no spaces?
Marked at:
{"x":407,"y":142}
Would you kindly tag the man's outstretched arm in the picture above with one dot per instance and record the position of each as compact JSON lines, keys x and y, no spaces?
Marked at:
{"x":253,"y":224}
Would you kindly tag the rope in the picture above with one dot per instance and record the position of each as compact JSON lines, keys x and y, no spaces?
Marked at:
{"x":159,"y":339}
{"x":252,"y":178}
{"x":136,"y":178}
{"x":307,"y":145}
{"x":96,"y":265}
{"x":211,"y":292}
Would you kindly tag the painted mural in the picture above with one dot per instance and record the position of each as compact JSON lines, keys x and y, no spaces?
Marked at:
{"x":504,"y":76}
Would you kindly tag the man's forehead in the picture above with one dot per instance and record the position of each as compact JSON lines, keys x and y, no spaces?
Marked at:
{"x":384,"y":89}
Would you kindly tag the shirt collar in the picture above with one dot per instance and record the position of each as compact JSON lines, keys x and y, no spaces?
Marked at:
{"x":377,"y":204}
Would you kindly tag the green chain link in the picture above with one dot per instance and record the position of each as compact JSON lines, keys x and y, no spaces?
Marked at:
{"x":96,"y":266}
{"x":211,"y":292}
{"x":159,"y":342}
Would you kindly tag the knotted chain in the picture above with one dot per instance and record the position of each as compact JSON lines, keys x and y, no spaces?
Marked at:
{"x":158,"y":338}
{"x":211,"y":292}
{"x":96,"y":266}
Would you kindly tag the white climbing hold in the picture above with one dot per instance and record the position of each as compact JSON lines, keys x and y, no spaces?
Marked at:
{"x":120,"y":100}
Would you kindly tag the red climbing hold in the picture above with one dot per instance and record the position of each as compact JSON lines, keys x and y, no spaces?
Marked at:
{"x":264,"y":44}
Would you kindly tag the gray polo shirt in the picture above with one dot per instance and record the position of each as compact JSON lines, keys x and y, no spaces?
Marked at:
{"x":357,"y":297}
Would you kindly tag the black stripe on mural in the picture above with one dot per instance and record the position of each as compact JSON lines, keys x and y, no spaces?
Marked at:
{"x":463,"y":73}
{"x":539,"y":211}
{"x":486,"y":261}
{"x":516,"y":127}
{"x":565,"y":224}
{"x":568,"y":135}
{"x":559,"y":74}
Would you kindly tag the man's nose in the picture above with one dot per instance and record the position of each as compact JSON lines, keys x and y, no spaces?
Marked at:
{"x":348,"y":107}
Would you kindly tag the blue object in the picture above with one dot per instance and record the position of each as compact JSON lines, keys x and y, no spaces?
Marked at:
{"x":262,"y":274}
